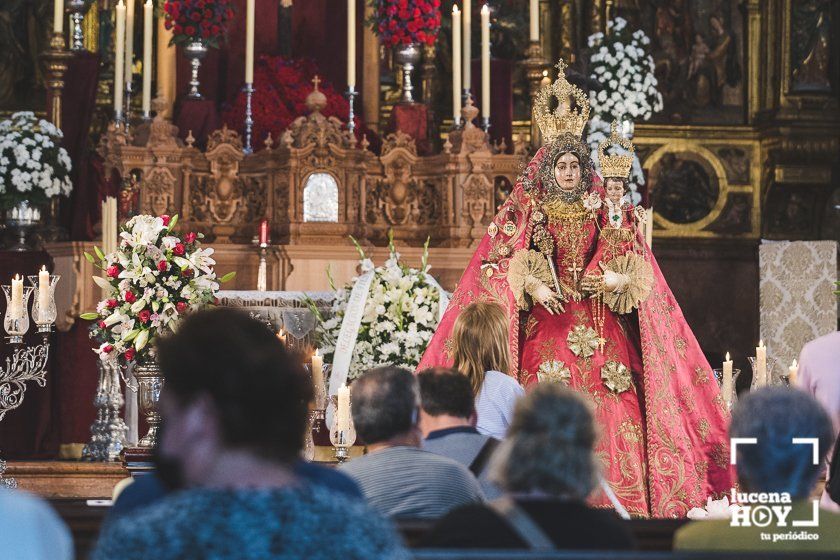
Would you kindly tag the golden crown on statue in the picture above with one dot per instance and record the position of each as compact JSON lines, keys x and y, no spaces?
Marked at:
{"x":555,"y":121}
{"x":618,"y":165}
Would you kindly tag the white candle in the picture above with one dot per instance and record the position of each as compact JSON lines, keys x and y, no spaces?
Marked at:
{"x":249,"y":43}
{"x":281,"y":336}
{"x":535,"y":21}
{"x":43,"y":291}
{"x":148,"y":21}
{"x":119,"y":61}
{"x":456,"y":64}
{"x":466,"y":51}
{"x":793,"y":371}
{"x":342,"y":414}
{"x":129,"y":38}
{"x":17,"y":297}
{"x":485,"y":61}
{"x":726,"y":386}
{"x":351,"y":43}
{"x":58,"y":16}
{"x":761,"y":364}
{"x":318,"y":378}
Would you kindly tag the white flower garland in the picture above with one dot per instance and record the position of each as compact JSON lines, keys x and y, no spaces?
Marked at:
{"x":33,"y":167}
{"x":400,"y":316}
{"x":621,"y":64}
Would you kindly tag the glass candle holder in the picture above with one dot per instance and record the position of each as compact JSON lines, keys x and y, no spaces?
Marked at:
{"x":44,"y":315}
{"x":16,"y":319}
{"x":732,"y":397}
{"x":771,"y":375}
{"x":342,"y":438}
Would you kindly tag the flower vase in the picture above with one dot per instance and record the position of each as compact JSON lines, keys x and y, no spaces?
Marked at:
{"x":407,"y":56}
{"x":149,"y":384}
{"x":195,"y":52}
{"x":22,"y":218}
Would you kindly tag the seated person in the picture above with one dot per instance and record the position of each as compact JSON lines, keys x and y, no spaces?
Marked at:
{"x":547,"y":467}
{"x":774,"y":464}
{"x":397,"y":477}
{"x":234,"y":406}
{"x":31,"y":530}
{"x":447,"y":420}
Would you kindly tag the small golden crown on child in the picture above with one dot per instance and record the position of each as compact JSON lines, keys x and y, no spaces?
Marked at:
{"x":553,"y":108}
{"x":616,"y":166}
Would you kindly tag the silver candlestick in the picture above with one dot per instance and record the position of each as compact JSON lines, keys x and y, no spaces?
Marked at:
{"x":129,"y":88}
{"x":77,"y":9}
{"x":351,"y":96}
{"x":485,"y":124}
{"x":108,"y":431}
{"x":249,"y":119}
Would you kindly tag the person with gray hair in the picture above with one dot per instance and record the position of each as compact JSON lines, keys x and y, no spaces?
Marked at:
{"x":547,"y":468}
{"x":778,"y":472}
{"x":397,"y":478}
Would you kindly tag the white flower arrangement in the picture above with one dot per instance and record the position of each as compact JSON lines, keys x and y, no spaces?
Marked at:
{"x":152,"y":280}
{"x":622,"y":65}
{"x":33,"y":166}
{"x":400,"y":315}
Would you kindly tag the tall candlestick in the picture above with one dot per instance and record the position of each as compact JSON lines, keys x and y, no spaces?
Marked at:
{"x":726,"y":386}
{"x":249,"y":43}
{"x":467,"y":45}
{"x":342,"y":414}
{"x":534,"y":30}
{"x":129,"y":38}
{"x":456,"y":64}
{"x":351,"y":43}
{"x":761,"y":364}
{"x":793,"y":372}
{"x":148,"y":22}
{"x":58,"y":16}
{"x":485,"y":62}
{"x":17,"y":297}
{"x":318,"y":379}
{"x":43,"y":291}
{"x":119,"y":60}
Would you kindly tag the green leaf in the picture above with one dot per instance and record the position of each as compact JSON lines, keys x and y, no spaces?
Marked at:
{"x":228,"y":277}
{"x":391,"y":246}
{"x":89,"y":316}
{"x":358,"y":248}
{"x":425,"y":259}
{"x":99,"y":253}
{"x":173,"y":222}
{"x":89,"y":257}
{"x":330,"y":277}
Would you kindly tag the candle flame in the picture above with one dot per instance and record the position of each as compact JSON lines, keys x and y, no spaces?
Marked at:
{"x":455,"y":9}
{"x":485,"y":9}
{"x":316,"y":353}
{"x":545,"y":73}
{"x":43,"y":268}
{"x":727,"y":356}
{"x":17,"y":277}
{"x":761,"y":344}
{"x":794,"y":364}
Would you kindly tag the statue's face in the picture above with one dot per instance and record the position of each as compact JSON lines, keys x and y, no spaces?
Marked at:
{"x":567,"y":172}
{"x":615,"y":189}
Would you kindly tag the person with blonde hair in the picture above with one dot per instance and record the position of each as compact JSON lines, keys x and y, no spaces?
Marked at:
{"x":480,"y":351}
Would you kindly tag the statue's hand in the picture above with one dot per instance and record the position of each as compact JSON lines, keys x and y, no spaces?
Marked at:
{"x":592,"y":284}
{"x":549,"y":299}
{"x":615,"y":282}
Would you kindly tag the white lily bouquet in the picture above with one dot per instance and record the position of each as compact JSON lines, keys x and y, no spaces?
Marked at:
{"x":622,"y":65}
{"x":398,"y":314}
{"x":33,"y":166}
{"x":151,"y":281}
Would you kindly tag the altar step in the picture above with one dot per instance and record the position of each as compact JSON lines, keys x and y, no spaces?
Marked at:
{"x":66,"y":479}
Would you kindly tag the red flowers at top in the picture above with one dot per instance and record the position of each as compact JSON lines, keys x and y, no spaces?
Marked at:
{"x":130,"y":297}
{"x":163,"y":266}
{"x":190,"y":237}
{"x":113,"y":271}
{"x":407,"y":21}
{"x":144,"y":316}
{"x":198,"y":20}
{"x":166,"y":219}
{"x":179,"y":250}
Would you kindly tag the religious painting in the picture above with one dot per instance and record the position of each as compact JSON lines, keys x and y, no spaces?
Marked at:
{"x":684,"y":187}
{"x":811,"y":28}
{"x":25,"y":26}
{"x":698,"y":50}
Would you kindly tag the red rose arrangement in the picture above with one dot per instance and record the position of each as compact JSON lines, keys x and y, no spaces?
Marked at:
{"x":406,"y":21}
{"x":204,"y":21}
{"x":280,"y":89}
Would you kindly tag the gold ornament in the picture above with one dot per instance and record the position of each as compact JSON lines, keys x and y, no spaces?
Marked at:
{"x":616,"y":166}
{"x":554,"y":371}
{"x":509,"y":228}
{"x":492,"y":229}
{"x":616,"y":377}
{"x":582,"y":341}
{"x":564,"y":118}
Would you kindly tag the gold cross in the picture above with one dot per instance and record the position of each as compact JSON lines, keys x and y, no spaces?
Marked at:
{"x":574,"y":269}
{"x":315,"y":81}
{"x":601,"y":343}
{"x":561,"y":67}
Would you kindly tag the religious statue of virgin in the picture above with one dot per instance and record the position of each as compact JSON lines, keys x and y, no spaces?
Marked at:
{"x":588,"y":307}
